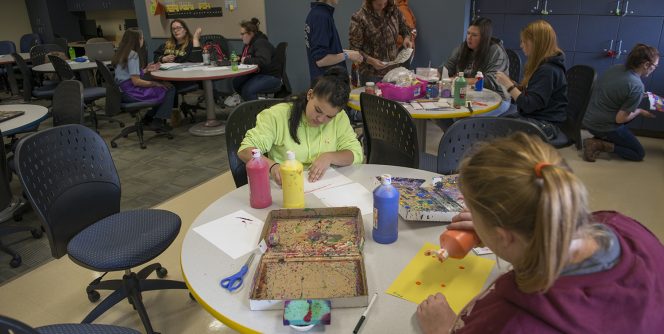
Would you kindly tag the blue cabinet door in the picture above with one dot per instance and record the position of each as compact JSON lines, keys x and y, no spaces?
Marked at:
{"x":560,"y":7}
{"x":596,"y":33}
{"x":566,"y":27}
{"x":635,"y":30}
{"x":643,"y":7}
{"x":655,"y":83}
{"x":512,"y":28}
{"x":524,"y":6}
{"x":600,"y":7}
{"x":599,"y":61}
{"x":490,"y":6}
{"x":497,"y":23}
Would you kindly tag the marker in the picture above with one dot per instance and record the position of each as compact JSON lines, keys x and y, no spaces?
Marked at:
{"x":364,"y":315}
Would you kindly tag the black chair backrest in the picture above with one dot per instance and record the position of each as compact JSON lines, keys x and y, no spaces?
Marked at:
{"x":113,"y":103}
{"x":38,"y":52}
{"x":391,"y":136}
{"x":28,"y":41}
{"x":68,"y":104}
{"x":61,"y":67}
{"x":70,"y":179}
{"x":26,"y":75}
{"x":241,"y":119}
{"x":515,"y":65}
{"x":9,"y":325}
{"x":7,"y":47}
{"x":580,"y":80}
{"x":465,"y":133}
{"x":223,"y":43}
{"x":61,"y":42}
{"x":280,"y":58}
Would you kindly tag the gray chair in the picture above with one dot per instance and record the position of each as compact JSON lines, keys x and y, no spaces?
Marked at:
{"x":465,"y":133}
{"x":68,"y":103}
{"x":515,"y":65}
{"x":71,"y":181}
{"x":242,"y":119}
{"x":9,"y":325}
{"x":30,"y":89}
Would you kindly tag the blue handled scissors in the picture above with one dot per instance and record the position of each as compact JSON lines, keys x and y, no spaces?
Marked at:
{"x":234,"y":282}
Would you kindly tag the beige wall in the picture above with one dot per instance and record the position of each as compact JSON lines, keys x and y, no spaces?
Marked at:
{"x":15,"y":21}
{"x":111,"y":21}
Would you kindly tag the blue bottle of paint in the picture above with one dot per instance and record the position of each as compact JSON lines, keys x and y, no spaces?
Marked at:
{"x":479,"y":83}
{"x":386,"y":211}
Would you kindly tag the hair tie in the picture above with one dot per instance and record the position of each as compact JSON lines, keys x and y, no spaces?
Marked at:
{"x":538,"y":168}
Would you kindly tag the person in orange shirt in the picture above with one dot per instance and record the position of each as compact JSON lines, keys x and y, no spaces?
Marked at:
{"x":409,"y":17}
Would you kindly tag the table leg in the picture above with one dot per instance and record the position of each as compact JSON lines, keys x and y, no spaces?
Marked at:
{"x":13,"y":86}
{"x":421,"y":127}
{"x":211,"y":127}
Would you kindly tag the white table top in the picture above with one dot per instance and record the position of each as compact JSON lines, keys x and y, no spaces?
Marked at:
{"x":8,"y":59}
{"x":482,"y":102}
{"x":204,"y":265}
{"x":75,"y":66}
{"x":33,"y":115}
{"x":203,"y":73}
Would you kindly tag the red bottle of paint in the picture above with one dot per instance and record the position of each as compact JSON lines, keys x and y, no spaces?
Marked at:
{"x":458,"y":243}
{"x":259,"y":181}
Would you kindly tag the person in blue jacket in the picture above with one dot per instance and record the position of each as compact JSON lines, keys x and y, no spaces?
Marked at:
{"x":322,"y":41}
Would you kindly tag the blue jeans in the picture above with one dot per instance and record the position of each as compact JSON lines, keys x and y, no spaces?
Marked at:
{"x":249,"y":86}
{"x":163,"y":110}
{"x":624,"y":142}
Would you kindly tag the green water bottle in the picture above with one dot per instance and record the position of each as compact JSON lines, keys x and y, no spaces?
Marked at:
{"x":459,"y":91}
{"x":72,"y":53}
{"x":234,"y":61}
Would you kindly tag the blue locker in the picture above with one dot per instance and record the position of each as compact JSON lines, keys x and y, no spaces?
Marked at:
{"x":562,"y":7}
{"x":513,"y":26}
{"x":597,"y":33}
{"x":598,"y":60}
{"x":566,"y":27}
{"x":600,"y":7}
{"x":643,"y":7}
{"x":498,"y":21}
{"x":634,"y":30}
{"x":525,"y":6}
{"x":490,"y":6}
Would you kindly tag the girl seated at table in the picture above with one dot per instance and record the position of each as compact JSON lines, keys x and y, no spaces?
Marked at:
{"x":573,"y":271}
{"x":615,"y":101}
{"x":541,"y":97}
{"x":129,"y":76}
{"x":312,"y":125}
{"x":181,"y":47}
{"x":481,"y":52}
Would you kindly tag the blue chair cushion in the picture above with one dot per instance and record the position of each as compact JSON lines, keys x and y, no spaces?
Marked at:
{"x":124,"y":240}
{"x":41,"y":92}
{"x":84,"y":329}
{"x":93,"y":93}
{"x":129,"y":106}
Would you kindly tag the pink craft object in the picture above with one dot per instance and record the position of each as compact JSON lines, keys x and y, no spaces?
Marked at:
{"x":393,"y":92}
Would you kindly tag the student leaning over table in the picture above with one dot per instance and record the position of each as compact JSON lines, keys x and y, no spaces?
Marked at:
{"x":310,"y":124}
{"x":573,"y":271}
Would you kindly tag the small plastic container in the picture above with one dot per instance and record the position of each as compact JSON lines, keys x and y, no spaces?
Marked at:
{"x":370,"y":88}
{"x":446,"y":88}
{"x":432,"y":89}
{"x":403,"y":94}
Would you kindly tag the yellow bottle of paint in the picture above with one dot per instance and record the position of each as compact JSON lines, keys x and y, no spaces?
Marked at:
{"x":292,"y":182}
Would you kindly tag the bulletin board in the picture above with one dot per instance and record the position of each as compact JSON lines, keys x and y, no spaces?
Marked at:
{"x":227,"y":25}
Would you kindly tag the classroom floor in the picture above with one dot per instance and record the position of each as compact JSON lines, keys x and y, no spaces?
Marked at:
{"x":55,"y":292}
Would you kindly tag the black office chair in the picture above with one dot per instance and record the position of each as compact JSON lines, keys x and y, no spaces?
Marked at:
{"x":241,"y":119}
{"x":515,"y":65}
{"x":580,"y":81}
{"x":39,"y":52}
{"x":30,"y":89}
{"x":90,"y":94}
{"x":390,"y":134}
{"x":71,"y":181}
{"x":28,"y":41}
{"x":114,"y":105}
{"x":285,"y":88}
{"x":61,"y":42}
{"x":465,"y":133}
{"x":9,"y":325}
{"x":68,"y":103}
{"x":219,"y":39}
{"x":6,"y":47}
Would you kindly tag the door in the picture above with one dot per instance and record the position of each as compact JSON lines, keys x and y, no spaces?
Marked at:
{"x":643,"y":7}
{"x":497,"y":23}
{"x":600,"y":7}
{"x":512,"y":28}
{"x":597,"y":33}
{"x":598,"y":60}
{"x":562,"y":7}
{"x":635,"y":30}
{"x":525,"y":6}
{"x":490,"y":6}
{"x":566,"y":27}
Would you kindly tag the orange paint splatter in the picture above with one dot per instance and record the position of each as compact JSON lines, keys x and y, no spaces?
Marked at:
{"x":442,"y":285}
{"x":462,"y":267}
{"x":418,"y":283}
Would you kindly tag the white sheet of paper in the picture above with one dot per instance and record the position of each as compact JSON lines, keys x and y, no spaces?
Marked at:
{"x":330,"y":179}
{"x":352,"y":194}
{"x":235,"y":234}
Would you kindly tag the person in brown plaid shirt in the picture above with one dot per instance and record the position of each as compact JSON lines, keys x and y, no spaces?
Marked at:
{"x":374,"y":30}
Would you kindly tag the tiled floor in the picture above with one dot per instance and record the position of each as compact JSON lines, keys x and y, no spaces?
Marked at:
{"x":54,"y":292}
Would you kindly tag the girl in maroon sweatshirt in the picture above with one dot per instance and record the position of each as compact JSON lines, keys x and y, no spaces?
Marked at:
{"x":573,"y":271}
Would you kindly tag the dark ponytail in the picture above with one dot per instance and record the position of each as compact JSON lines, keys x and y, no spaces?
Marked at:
{"x":333,"y":86}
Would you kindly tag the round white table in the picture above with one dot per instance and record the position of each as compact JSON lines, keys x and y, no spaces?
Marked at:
{"x":211,"y":127}
{"x":204,"y":265}
{"x":7,"y":61}
{"x":75,"y":66}
{"x":34,"y":114}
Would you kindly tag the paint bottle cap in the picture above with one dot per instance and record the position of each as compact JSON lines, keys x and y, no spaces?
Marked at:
{"x":386,"y":179}
{"x":256,"y":153}
{"x":290,"y":155}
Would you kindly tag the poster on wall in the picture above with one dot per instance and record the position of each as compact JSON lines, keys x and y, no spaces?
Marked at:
{"x":231,"y":5}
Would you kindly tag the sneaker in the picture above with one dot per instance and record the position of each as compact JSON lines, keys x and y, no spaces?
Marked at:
{"x":159,"y":125}
{"x":233,"y":100}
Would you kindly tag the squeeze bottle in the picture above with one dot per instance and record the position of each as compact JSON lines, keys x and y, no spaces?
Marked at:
{"x":259,"y":181}
{"x":456,"y":244}
{"x":459,"y":91}
{"x":292,"y":182}
{"x":479,"y":83}
{"x":386,"y":211}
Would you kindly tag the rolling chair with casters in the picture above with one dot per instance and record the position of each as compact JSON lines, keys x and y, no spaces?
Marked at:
{"x":9,"y":325}
{"x":30,"y":89}
{"x":465,"y":133}
{"x":6,"y":47}
{"x":28,"y":41}
{"x":241,"y":119}
{"x":580,"y":81}
{"x":71,"y":181}
{"x":114,"y":105}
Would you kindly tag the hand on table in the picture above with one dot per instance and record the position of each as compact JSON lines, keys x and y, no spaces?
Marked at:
{"x":152,"y":67}
{"x":168,"y":59}
{"x":435,"y":315}
{"x":319,"y":167}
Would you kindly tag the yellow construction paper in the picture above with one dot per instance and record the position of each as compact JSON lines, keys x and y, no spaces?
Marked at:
{"x":458,"y":285}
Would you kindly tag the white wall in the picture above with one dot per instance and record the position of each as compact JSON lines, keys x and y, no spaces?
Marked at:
{"x":15,"y":21}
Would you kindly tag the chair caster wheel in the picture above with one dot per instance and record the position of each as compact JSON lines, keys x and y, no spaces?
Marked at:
{"x":143,"y":146}
{"x":114,"y":145}
{"x":93,"y":296}
{"x":122,"y":125}
{"x":36,"y":233}
{"x":161,"y":272}
{"x":15,"y":262}
{"x":17,"y":217}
